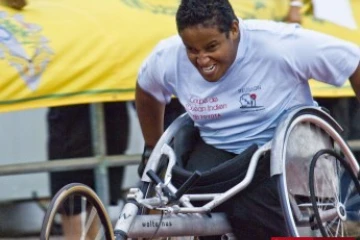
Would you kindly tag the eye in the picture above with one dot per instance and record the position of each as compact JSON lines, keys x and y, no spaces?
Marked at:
{"x":191,"y":50}
{"x":212,"y":47}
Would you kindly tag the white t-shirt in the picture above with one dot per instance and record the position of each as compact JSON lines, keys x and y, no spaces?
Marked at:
{"x":269,"y":76}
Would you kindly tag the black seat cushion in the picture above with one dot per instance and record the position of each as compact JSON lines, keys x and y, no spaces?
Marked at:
{"x":219,"y":178}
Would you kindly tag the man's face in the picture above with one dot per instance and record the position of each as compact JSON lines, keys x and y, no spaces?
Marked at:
{"x":211,"y":51}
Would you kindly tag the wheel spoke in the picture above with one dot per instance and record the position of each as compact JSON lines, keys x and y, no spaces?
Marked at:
{"x":99,"y":234}
{"x":90,"y":219}
{"x":338,"y":227}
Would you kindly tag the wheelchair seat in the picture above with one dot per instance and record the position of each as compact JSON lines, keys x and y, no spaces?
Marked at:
{"x":216,"y":179}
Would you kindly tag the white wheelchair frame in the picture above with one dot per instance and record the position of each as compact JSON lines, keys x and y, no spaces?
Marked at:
{"x":304,"y":154}
{"x":183,"y":219}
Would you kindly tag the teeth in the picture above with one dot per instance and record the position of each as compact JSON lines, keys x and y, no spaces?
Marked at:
{"x":209,"y":69}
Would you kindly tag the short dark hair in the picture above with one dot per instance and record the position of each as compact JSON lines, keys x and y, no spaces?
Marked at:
{"x":206,"y":12}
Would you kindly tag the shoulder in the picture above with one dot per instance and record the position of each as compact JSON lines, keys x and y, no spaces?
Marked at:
{"x":164,"y":57}
{"x":163,"y":51}
{"x":268,"y":27}
{"x":268,"y":38}
{"x":170,"y":44}
{"x":167,"y":54}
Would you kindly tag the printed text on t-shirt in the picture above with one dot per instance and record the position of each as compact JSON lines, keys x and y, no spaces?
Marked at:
{"x":204,"y":108}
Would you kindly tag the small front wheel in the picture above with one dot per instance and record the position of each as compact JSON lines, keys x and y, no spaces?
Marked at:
{"x":76,"y":212}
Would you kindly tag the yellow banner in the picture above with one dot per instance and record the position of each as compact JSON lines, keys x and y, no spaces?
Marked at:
{"x":76,"y":51}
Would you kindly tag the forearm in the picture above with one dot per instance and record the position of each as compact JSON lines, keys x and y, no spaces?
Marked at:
{"x":355,"y":81}
{"x":151,"y":116}
{"x":294,"y":13}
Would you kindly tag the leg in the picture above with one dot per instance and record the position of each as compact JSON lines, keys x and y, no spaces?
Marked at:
{"x":184,"y":142}
{"x":173,"y":110}
{"x":72,"y":227}
{"x":203,"y":157}
{"x":117,"y":135}
{"x":254,"y":213}
{"x":69,"y":137}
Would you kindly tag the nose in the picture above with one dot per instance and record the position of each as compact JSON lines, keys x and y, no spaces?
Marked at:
{"x":202,"y":59}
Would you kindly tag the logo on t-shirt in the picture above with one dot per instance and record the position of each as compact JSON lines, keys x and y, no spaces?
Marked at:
{"x":248,"y":99}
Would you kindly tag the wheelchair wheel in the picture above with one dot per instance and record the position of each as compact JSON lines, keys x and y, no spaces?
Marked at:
{"x":336,"y":212}
{"x":76,"y":212}
{"x":305,"y":135}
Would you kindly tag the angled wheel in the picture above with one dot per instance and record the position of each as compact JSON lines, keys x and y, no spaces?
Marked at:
{"x":335,"y":195}
{"x":305,"y":135}
{"x":76,"y":212}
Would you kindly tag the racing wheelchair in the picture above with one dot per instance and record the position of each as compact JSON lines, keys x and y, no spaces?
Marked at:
{"x":316,"y":173}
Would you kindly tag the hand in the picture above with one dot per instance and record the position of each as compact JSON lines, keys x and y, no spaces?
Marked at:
{"x":294,"y":15}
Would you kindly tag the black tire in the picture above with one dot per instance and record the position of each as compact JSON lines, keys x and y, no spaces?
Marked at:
{"x":79,"y":201}
{"x":336,"y":212}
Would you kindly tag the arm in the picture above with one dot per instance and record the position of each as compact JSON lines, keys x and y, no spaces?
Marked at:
{"x":151,"y":116}
{"x":294,"y":13}
{"x":355,"y":81}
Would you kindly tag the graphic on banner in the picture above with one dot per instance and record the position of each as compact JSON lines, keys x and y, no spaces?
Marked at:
{"x":154,"y":6}
{"x":24,"y":48}
{"x":247,"y":10}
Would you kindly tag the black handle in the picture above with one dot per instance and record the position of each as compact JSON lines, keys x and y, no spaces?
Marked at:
{"x":187,"y":184}
{"x":155,"y":178}
{"x":183,"y":188}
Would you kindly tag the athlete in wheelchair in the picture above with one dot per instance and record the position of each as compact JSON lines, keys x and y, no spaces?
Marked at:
{"x":253,"y":157}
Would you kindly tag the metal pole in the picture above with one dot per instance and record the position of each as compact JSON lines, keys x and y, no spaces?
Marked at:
{"x":99,"y":149}
{"x":69,"y":164}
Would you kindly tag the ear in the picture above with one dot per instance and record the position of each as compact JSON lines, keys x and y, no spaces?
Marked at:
{"x":235,"y":30}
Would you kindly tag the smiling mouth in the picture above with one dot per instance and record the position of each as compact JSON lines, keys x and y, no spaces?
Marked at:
{"x":208,"y":69}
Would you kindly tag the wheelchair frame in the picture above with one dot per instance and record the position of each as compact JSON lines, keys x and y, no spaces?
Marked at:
{"x":180,"y":223}
{"x":183,"y":219}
